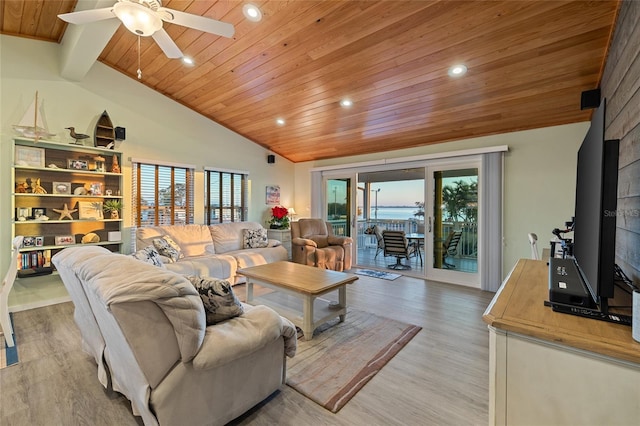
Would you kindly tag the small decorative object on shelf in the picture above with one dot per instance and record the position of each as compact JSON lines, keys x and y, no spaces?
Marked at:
{"x":65,"y":212}
{"x":79,"y":137}
{"x":279,"y":218}
{"x":105,"y":133}
{"x":91,"y":237}
{"x":115,"y":166}
{"x":100,"y":167}
{"x":113,"y":207}
{"x":36,"y":188}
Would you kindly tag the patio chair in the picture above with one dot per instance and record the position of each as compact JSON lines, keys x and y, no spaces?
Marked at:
{"x":396,"y":244}
{"x":378,"y":233}
{"x":450,"y":246}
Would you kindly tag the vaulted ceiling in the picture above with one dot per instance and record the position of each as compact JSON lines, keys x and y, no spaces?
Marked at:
{"x":528,"y":62}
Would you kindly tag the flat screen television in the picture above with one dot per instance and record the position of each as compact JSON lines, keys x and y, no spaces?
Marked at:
{"x":595,"y":211}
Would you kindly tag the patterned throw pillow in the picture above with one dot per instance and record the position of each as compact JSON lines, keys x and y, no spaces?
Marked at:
{"x":220,"y":303}
{"x":150,"y":255}
{"x":168,"y":248}
{"x":255,"y":238}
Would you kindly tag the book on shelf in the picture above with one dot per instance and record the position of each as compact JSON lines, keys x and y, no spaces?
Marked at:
{"x":35,"y":262}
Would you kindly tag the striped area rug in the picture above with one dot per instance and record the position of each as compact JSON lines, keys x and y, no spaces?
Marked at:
{"x":342,"y":357}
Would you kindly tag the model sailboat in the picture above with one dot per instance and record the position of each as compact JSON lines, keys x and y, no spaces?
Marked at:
{"x":33,"y":123}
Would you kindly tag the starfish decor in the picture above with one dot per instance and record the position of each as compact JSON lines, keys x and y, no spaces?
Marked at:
{"x":65,"y":212}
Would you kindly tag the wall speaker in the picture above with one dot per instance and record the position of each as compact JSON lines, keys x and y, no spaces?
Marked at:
{"x":271,"y":158}
{"x":590,"y":99}
{"x":120,"y":133}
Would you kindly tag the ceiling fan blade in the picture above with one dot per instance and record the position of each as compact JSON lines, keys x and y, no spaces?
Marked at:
{"x":87,"y":16}
{"x":167,"y":44}
{"x":201,"y":23}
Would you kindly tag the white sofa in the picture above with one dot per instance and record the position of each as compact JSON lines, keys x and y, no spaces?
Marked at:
{"x":146,"y":328}
{"x":215,"y":250}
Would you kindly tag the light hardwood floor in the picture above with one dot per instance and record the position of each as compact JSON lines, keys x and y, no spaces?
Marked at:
{"x":440,"y":378}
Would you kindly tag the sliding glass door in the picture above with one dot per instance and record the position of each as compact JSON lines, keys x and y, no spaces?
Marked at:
{"x":452,"y":223}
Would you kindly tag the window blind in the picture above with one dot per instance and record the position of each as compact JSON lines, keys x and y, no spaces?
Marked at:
{"x":226,"y":196}
{"x":162,"y":194}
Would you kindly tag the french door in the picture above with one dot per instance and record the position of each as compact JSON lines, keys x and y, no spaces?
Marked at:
{"x":452,"y":231}
{"x":338,"y":205}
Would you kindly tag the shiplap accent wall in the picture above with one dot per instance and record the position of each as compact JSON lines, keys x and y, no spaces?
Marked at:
{"x":621,"y":86}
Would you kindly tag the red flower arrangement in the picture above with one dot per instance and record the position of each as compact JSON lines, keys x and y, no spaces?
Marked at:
{"x":279,"y":218}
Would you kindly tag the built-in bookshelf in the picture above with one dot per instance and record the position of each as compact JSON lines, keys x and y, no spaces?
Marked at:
{"x":58,"y":195}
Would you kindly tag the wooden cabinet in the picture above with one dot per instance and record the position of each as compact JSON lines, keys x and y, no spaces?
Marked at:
{"x":74,"y":179}
{"x":282,"y":235}
{"x":557,"y":369}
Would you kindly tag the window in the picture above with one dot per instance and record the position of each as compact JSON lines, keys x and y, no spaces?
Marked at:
{"x":226,"y":196}
{"x":162,"y":194}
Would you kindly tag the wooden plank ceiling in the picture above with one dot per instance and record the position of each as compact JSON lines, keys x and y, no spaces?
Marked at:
{"x":528,"y":62}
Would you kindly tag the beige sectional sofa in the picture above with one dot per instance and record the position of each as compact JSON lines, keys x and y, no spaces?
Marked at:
{"x":146,"y":328}
{"x":215,"y":250}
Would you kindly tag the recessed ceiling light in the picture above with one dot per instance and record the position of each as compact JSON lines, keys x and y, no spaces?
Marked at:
{"x":346,"y":103}
{"x":280,"y":121}
{"x":457,"y":70}
{"x":187,"y":60}
{"x":252,"y":12}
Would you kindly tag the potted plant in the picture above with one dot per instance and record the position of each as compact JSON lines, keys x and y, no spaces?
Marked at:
{"x":279,"y":218}
{"x":113,"y":207}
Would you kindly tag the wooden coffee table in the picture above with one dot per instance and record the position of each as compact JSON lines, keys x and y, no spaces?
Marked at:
{"x":302,"y":282}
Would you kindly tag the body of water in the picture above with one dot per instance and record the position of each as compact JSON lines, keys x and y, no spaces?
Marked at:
{"x":399,"y":213}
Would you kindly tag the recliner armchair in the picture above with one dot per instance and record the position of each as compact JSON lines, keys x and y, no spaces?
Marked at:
{"x":313,"y":243}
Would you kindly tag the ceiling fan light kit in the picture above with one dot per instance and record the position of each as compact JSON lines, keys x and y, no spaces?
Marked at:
{"x":138,"y":19}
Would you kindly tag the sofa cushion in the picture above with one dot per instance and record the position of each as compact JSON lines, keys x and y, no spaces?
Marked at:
{"x":193,"y":239}
{"x":220,"y":303}
{"x":254,"y":238}
{"x":228,"y":236}
{"x":167,"y":247}
{"x":150,"y":255}
{"x":242,"y":335}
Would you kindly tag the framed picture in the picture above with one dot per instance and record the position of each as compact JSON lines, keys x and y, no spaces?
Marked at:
{"x":95,"y":188}
{"x":39,"y":241}
{"x":23,"y":213}
{"x":88,"y":210}
{"x":29,"y":242}
{"x":77,"y":164}
{"x":30,"y":157}
{"x":62,"y":187}
{"x":38,"y":212}
{"x":273,"y":194}
{"x":62,"y":240}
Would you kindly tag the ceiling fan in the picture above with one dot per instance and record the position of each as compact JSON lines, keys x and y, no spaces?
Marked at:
{"x":144,"y":18}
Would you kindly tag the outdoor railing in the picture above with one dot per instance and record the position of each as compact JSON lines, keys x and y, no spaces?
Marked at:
{"x":467,"y":247}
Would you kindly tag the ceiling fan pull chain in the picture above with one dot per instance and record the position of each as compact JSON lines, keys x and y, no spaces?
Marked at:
{"x":139,"y":70}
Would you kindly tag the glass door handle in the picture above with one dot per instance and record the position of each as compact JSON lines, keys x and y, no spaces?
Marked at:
{"x":429,"y":224}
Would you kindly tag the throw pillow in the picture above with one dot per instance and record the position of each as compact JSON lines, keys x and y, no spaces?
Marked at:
{"x":255,"y":238}
{"x":150,"y":255}
{"x":167,"y":247}
{"x":220,"y":303}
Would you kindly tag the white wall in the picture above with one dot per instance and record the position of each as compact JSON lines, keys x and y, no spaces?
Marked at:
{"x":156,"y":127}
{"x":539,"y":181}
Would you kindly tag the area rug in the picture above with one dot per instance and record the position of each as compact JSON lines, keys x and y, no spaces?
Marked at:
{"x":377,"y":274}
{"x":343,"y":356}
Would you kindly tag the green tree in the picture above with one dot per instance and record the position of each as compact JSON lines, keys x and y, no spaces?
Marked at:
{"x":420,"y":212}
{"x":461,"y":201}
